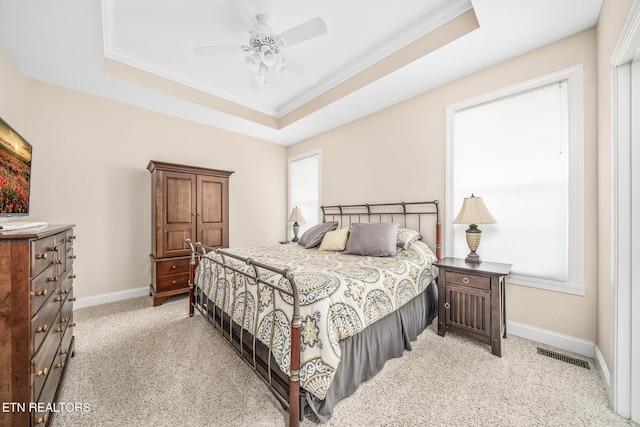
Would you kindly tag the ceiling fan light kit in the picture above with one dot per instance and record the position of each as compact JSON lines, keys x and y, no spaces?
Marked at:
{"x":266,"y":48}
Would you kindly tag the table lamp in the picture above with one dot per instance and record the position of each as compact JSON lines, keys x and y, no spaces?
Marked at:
{"x":474,"y":212}
{"x":296,"y":217}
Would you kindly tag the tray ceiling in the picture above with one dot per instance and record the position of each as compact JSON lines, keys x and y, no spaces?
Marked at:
{"x":374,"y":54}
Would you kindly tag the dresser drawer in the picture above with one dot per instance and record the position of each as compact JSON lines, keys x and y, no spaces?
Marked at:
{"x":42,"y":287}
{"x":172,"y":282}
{"x":172,"y":266}
{"x":66,"y":282}
{"x":66,"y":312}
{"x":41,"y":254}
{"x":41,"y":416}
{"x":43,"y":322}
{"x":65,"y":345}
{"x":70,"y":257}
{"x":43,"y":360}
{"x":468,"y":280}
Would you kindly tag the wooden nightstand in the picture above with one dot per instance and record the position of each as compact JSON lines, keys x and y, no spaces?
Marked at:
{"x":471,"y":300}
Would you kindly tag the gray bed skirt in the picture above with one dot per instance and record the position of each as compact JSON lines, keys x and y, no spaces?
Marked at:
{"x":364,"y":354}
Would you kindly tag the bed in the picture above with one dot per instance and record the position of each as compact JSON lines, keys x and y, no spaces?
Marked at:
{"x":316,"y":318}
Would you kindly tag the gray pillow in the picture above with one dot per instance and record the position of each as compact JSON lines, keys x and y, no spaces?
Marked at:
{"x":372,"y":239}
{"x":313,"y":236}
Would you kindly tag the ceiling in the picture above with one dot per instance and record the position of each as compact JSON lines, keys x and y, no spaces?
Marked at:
{"x":374,"y":54}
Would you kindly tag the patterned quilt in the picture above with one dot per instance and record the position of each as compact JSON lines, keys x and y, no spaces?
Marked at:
{"x":340,"y":295}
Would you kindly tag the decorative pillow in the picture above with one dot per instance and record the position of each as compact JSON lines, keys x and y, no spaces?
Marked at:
{"x":335,"y":240}
{"x":373,"y":239}
{"x":313,"y":236}
{"x":406,"y":237}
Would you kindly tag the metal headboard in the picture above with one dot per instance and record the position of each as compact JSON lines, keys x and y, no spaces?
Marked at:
{"x":407,"y":214}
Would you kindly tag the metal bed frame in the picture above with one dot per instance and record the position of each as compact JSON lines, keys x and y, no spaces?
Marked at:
{"x":250,"y":349}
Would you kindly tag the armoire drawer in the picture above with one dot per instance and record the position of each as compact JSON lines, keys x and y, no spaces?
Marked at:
{"x":172,"y":282}
{"x":172,"y":266}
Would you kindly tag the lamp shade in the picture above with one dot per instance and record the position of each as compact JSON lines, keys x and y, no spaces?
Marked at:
{"x":474,"y":211}
{"x":296,"y":215}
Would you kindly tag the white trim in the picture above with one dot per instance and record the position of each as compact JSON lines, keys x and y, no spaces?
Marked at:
{"x":564,"y":342}
{"x":624,"y":382}
{"x":603,"y":370}
{"x":575,"y":86}
{"x":110,"y":297}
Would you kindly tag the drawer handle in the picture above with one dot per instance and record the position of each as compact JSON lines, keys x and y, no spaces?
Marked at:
{"x":59,"y":299}
{"x":42,"y":372}
{"x":64,"y":351}
{"x":447,"y":305}
{"x":465,"y":280}
{"x":73,"y":325}
{"x":173,"y":267}
{"x":42,"y":420}
{"x":42,"y":328}
{"x":73,"y":299}
{"x":52,"y":279}
{"x":59,"y":262}
{"x":59,"y":329}
{"x":173,"y":282}
{"x":64,"y":291}
{"x":42,"y":256}
{"x":42,"y":293}
{"x":71,"y":238}
{"x":73,"y":276}
{"x":60,"y":365}
{"x":65,"y":320}
{"x":73,"y":257}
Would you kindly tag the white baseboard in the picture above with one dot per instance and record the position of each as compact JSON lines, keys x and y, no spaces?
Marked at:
{"x":110,"y":297}
{"x":554,"y":339}
{"x":604,"y":371}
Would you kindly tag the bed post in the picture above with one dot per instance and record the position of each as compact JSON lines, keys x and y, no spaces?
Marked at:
{"x":438,"y":241}
{"x":192,"y":269}
{"x":294,"y":383}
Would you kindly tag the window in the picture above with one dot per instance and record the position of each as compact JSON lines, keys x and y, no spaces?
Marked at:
{"x":521,"y":150}
{"x":304,"y":189}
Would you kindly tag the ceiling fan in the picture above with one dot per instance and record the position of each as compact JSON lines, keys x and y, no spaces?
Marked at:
{"x":266,"y":48}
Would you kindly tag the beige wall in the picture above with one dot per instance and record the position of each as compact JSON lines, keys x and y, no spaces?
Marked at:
{"x":399,"y":153}
{"x":89,"y":168}
{"x":11,"y":92}
{"x":613,"y":15}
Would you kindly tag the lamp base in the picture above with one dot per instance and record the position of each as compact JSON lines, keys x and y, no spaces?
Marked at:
{"x":473,"y":258}
{"x":296,"y":228}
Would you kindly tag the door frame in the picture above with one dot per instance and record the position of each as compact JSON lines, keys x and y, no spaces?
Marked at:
{"x":625,"y":200}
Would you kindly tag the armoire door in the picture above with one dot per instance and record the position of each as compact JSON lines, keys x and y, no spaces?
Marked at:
{"x":178,"y":213}
{"x":212,"y":220}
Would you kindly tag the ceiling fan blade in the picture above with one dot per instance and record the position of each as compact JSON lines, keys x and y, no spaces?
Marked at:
{"x":218,"y":50}
{"x":305,"y":74}
{"x":307,"y":30}
{"x":248,"y":20}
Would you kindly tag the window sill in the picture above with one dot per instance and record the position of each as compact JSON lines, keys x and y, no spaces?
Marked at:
{"x":548,"y":285}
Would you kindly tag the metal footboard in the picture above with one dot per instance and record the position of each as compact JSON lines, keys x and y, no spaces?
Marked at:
{"x":246,"y":344}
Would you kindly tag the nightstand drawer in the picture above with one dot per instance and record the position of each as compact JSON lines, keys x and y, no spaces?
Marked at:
{"x":468,"y":280}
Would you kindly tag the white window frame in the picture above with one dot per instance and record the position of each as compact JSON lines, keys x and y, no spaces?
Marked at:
{"x":575,"y":267}
{"x":316,"y":152}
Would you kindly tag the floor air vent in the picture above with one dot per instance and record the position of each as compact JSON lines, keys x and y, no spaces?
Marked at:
{"x":562,"y":357}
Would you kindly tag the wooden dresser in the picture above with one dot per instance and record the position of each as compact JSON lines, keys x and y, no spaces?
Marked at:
{"x":188,"y":202}
{"x":36,"y":321}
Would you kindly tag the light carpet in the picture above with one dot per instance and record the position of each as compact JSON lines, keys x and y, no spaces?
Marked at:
{"x":139,"y":365}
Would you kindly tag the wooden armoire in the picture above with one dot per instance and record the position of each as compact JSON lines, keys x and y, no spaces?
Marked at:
{"x":188,"y":202}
